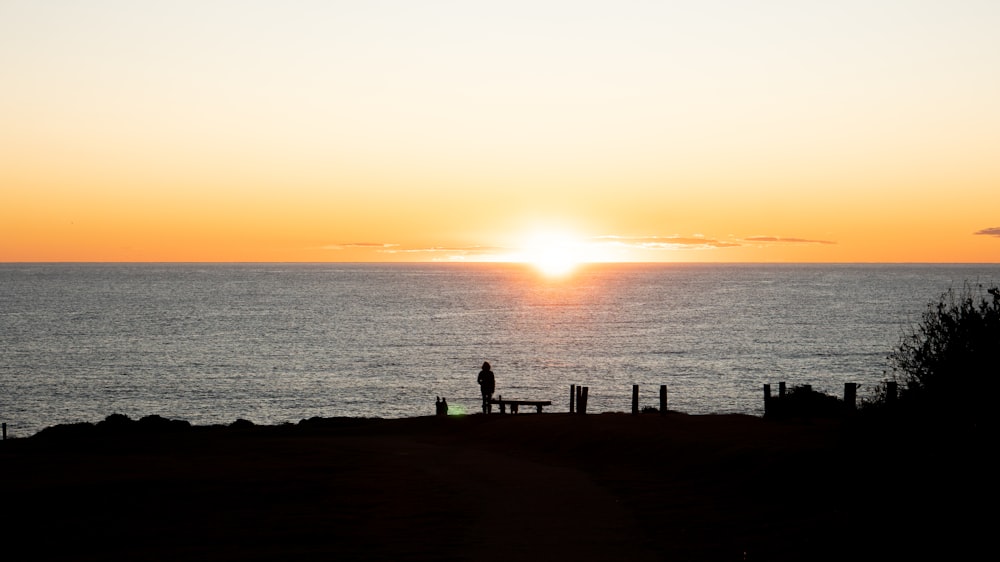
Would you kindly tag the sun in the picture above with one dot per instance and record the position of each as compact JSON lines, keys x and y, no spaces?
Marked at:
{"x":553,"y":253}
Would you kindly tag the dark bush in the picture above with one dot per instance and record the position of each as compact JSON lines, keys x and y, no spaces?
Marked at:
{"x":116,"y":423}
{"x":66,"y":432}
{"x":949,"y":363}
{"x":159,"y":424}
{"x":804,"y":402}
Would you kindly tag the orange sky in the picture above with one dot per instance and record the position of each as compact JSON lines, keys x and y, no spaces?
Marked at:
{"x":622,"y":131}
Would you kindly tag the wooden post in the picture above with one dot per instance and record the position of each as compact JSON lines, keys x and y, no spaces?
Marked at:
{"x":582,"y":404}
{"x":572,"y":398}
{"x":635,"y":399}
{"x":781,"y":390}
{"x":767,"y":396}
{"x":663,"y":399}
{"x":851,"y":396}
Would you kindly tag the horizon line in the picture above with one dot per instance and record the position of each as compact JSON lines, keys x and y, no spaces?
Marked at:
{"x":491,"y":262}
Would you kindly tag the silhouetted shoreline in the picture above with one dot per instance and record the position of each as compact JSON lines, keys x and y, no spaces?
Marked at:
{"x":596,"y":487}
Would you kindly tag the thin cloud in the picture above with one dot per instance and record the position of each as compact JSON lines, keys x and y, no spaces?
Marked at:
{"x":993,"y":231}
{"x":363,"y":245}
{"x":666,"y":242}
{"x":440,"y":249}
{"x":433,"y":253}
{"x":433,"y":250}
{"x":782,"y":240}
{"x":697,"y":241}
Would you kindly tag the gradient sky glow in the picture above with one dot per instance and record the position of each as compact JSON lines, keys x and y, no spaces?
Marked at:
{"x":389,"y":130}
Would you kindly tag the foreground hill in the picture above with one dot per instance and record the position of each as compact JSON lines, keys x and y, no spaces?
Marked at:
{"x":597,"y":487}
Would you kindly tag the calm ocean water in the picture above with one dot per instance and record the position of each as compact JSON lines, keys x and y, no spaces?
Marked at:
{"x":278,"y":343}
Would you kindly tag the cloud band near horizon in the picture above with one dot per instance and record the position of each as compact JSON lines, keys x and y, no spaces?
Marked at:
{"x":645,"y":243}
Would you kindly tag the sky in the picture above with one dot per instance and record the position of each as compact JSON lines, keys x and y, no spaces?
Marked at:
{"x":392,"y":130}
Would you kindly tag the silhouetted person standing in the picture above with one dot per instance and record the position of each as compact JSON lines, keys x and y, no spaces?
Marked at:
{"x":487,"y":384}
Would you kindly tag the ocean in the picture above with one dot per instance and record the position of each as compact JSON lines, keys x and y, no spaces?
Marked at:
{"x":275,"y":343}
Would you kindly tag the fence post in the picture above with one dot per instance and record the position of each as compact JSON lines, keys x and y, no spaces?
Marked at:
{"x":572,"y":398}
{"x":890,"y":392}
{"x":582,"y":403}
{"x":579,"y":399}
{"x":851,"y":395}
{"x":781,"y":390}
{"x":635,"y":399}
{"x":663,"y":399}
{"x":767,"y":396}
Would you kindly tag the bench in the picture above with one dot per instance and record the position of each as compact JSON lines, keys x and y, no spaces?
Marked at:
{"x":515,"y":403}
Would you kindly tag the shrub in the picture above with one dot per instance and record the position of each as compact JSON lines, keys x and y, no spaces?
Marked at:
{"x":159,"y":424}
{"x":948,"y":363}
{"x":116,"y":423}
{"x":804,"y":402}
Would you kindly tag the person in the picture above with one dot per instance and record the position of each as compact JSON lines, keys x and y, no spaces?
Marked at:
{"x":487,"y":384}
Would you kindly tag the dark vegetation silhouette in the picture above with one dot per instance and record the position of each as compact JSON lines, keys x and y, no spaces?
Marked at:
{"x":931,"y":439}
{"x":241,"y":423}
{"x":947,"y":367}
{"x":114,"y":425}
{"x":804,"y":402}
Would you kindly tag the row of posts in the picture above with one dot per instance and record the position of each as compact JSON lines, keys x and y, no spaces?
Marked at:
{"x":578,"y":396}
{"x":850,"y":393}
{"x":578,"y":399}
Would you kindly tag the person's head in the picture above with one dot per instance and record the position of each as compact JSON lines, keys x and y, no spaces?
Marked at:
{"x":486,"y":365}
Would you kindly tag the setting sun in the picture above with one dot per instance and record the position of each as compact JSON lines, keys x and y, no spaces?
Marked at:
{"x":553,"y":253}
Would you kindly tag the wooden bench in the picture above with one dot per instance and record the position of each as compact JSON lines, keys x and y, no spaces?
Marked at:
{"x":515,"y":403}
